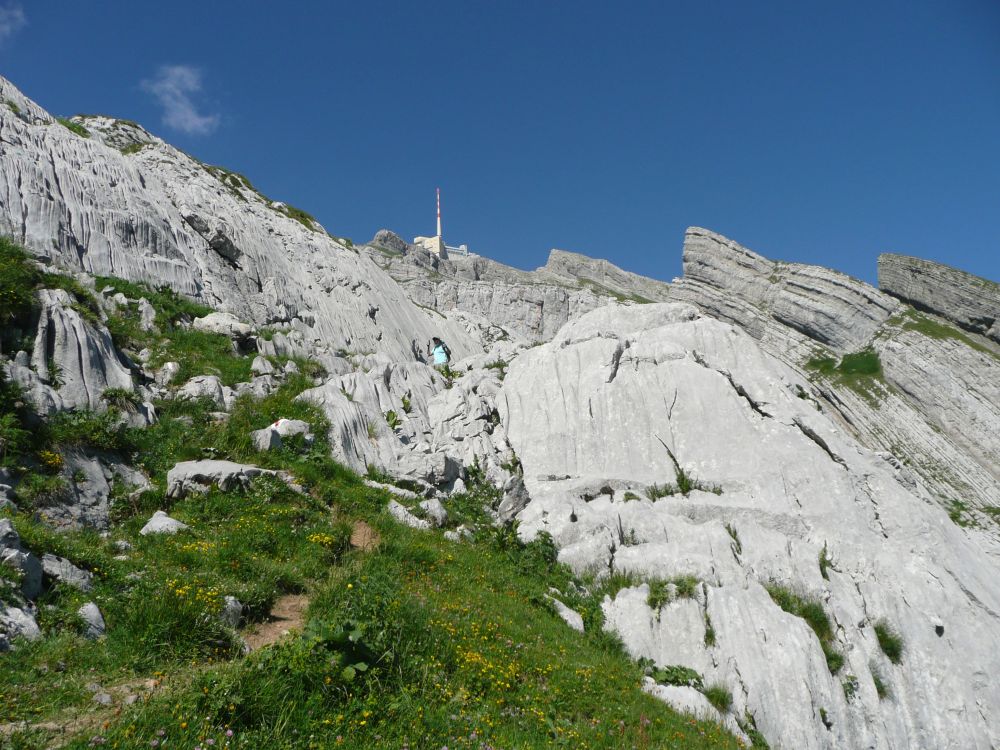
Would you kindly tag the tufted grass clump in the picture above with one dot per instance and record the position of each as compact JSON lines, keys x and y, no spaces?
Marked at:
{"x":889,"y":640}
{"x":73,"y":127}
{"x":881,"y":686}
{"x":719,"y":696}
{"x":124,"y":399}
{"x":812,"y":611}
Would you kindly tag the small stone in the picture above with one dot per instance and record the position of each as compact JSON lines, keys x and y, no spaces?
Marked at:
{"x":231,"y":612}
{"x":103,"y":699}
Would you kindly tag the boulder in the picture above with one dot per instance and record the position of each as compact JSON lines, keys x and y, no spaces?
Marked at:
{"x":570,"y":616}
{"x":203,"y":386}
{"x":13,"y":555}
{"x":147,"y":315}
{"x":401,"y":514}
{"x":434,"y":512}
{"x":17,"y":623}
{"x":225,"y":324}
{"x":62,"y":570}
{"x":200,"y":476}
{"x":266,"y":439}
{"x":270,"y":437}
{"x":166,"y":374}
{"x":161,"y":523}
{"x":93,"y":621}
{"x":261,"y":366}
{"x":515,"y":499}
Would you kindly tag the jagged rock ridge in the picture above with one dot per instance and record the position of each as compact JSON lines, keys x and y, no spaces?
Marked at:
{"x":531,"y":304}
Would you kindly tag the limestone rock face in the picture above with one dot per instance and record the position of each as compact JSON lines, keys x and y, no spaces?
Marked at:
{"x":529,"y":304}
{"x":157,"y":215}
{"x":971,"y":302}
{"x":406,"y":420}
{"x":73,"y":361}
{"x":625,"y":398}
{"x":933,"y":407}
{"x":604,"y":277}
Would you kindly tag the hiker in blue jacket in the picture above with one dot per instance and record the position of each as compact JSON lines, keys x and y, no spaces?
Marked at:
{"x":439,"y":351}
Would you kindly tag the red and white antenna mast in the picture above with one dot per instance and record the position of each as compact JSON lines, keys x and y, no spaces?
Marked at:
{"x":439,"y":211}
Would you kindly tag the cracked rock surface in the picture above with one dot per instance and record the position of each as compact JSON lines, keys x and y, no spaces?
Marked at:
{"x":689,"y":393}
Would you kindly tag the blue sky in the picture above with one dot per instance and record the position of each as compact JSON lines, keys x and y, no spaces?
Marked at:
{"x":811,"y":132}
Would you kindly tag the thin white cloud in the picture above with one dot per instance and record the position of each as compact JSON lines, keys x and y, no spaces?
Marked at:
{"x":12,"y":20}
{"x":173,"y":87}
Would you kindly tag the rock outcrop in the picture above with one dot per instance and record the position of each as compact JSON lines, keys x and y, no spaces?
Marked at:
{"x":532,"y":305}
{"x":155,"y":214}
{"x":971,"y":302}
{"x":660,"y":442}
{"x":73,"y":360}
{"x":785,"y":305}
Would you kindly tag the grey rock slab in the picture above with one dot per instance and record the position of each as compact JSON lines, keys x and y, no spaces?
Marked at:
{"x":63,"y":571}
{"x":393,"y":489}
{"x":161,"y":523}
{"x":18,"y":623}
{"x":223,"y":323}
{"x":14,"y":555}
{"x":93,"y":620}
{"x":570,"y":616}
{"x":434,"y":512}
{"x":687,"y":700}
{"x":203,"y":386}
{"x":405,"y":517}
{"x":199,"y":476}
{"x":786,"y":303}
{"x":73,"y":360}
{"x":261,"y":366}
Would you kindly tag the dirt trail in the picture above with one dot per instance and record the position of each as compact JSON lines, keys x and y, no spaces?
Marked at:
{"x":287,"y":614}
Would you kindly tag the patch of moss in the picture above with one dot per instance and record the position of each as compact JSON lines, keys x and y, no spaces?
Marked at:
{"x":915,"y":321}
{"x":74,"y":127}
